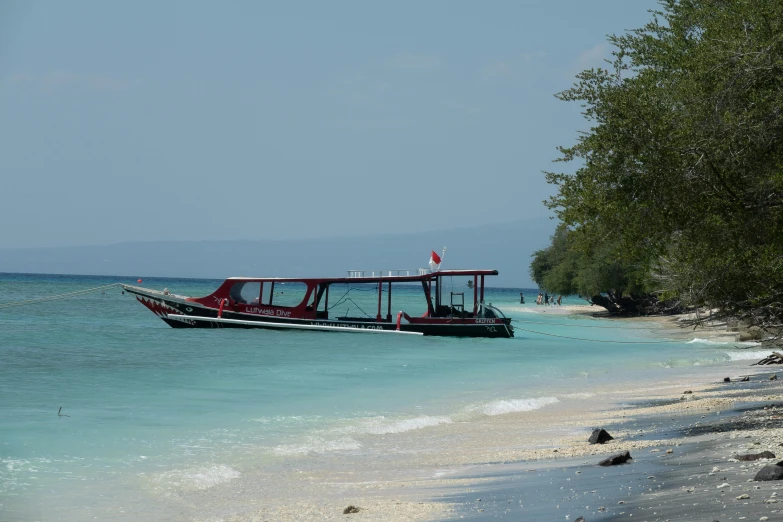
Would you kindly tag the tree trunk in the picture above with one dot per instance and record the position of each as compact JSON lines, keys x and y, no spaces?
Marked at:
{"x":631,"y":305}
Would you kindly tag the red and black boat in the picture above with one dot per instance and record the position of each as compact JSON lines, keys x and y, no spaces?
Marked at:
{"x":250,"y":302}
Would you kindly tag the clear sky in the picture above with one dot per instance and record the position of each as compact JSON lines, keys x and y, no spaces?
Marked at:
{"x":127,"y":121}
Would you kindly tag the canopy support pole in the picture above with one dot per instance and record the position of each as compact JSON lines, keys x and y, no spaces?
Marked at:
{"x":380,"y":299}
{"x":475,"y":294}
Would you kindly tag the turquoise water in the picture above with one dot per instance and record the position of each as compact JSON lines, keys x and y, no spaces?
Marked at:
{"x":146,"y":403}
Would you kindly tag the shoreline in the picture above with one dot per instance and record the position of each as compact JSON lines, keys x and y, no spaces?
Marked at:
{"x":541,"y":482}
{"x":683,"y":465}
{"x":439,"y":486}
{"x":675,"y":325}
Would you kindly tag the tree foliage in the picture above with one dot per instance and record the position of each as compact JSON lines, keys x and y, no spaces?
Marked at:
{"x":566,"y":267}
{"x":681,"y":172}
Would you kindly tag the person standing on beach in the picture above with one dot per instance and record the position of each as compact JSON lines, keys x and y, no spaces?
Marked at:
{"x":559,"y":299}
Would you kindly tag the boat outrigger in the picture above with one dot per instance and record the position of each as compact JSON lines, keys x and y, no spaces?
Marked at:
{"x":250,"y":302}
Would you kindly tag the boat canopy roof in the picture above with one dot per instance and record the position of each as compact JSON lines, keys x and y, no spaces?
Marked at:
{"x":394,"y":278}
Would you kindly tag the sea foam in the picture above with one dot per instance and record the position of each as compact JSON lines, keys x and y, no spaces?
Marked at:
{"x":339,"y":439}
{"x":382,"y":426}
{"x":194,"y":479}
{"x":748,"y":355}
{"x":317,"y":445}
{"x":721,"y":342}
{"x":503,"y":406}
{"x":578,"y":395}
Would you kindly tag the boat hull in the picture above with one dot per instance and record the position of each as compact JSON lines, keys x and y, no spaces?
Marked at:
{"x":177,"y":312}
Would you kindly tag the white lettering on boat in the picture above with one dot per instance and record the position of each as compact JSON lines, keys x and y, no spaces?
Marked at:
{"x":486,"y":321}
{"x":342,"y":325}
{"x":267,"y":311}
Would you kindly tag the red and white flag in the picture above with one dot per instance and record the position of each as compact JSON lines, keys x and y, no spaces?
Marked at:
{"x":434,"y":261}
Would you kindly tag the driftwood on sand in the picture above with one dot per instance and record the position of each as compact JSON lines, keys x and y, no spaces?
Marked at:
{"x":775,"y":358}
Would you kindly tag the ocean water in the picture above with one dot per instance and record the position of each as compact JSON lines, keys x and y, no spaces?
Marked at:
{"x":151,"y":414}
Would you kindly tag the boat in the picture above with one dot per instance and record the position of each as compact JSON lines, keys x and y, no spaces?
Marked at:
{"x":258,"y":302}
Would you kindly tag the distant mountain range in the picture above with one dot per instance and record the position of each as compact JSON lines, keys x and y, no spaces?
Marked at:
{"x":506,"y":247}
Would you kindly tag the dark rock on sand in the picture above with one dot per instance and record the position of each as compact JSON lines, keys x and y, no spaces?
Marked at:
{"x":746,"y":378}
{"x":756,"y":456}
{"x":770,"y":472}
{"x":580,"y":519}
{"x":620,"y":458}
{"x":350,"y":509}
{"x":773,"y":377}
{"x":687,"y":392}
{"x":726,"y":379}
{"x":599,"y":436}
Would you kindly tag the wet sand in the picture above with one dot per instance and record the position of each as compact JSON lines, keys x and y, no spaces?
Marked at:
{"x":683,"y":466}
{"x":683,"y":447}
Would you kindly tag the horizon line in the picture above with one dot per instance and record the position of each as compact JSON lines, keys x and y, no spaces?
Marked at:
{"x":136,"y":277}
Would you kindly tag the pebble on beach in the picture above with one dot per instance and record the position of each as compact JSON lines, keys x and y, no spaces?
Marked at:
{"x":599,"y":436}
{"x":755,"y":456}
{"x":620,"y":458}
{"x":770,"y":472}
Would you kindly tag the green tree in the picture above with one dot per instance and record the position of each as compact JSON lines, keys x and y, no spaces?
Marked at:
{"x":682,"y":169}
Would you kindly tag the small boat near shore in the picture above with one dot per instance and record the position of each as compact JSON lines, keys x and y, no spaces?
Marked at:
{"x":250,"y":302}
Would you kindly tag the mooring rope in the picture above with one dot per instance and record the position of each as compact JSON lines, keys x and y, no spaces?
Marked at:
{"x":594,"y":340}
{"x":14,"y":304}
{"x":582,"y":325}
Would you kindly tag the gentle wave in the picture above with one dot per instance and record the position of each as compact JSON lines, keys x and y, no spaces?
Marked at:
{"x":15,"y":464}
{"x":196,"y":479}
{"x":382,"y":426}
{"x":748,"y":355}
{"x":503,"y":406}
{"x":287,"y":420}
{"x":578,"y":395}
{"x":720,"y":342}
{"x":317,"y":445}
{"x":339,"y":439}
